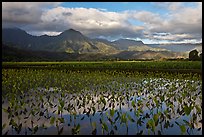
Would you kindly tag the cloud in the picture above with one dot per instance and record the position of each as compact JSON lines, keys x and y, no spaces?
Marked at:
{"x":95,"y":23}
{"x":170,"y":37}
{"x":184,"y":20}
{"x":180,"y":23}
{"x":172,"y":6}
{"x":146,"y":17}
{"x":18,"y":13}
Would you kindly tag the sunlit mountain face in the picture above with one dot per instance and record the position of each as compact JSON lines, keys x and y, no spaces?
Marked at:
{"x":74,"y":42}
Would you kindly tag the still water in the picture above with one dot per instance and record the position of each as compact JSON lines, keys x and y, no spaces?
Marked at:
{"x":151,"y":106}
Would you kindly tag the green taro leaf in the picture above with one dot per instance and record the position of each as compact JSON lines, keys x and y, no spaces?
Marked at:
{"x":187,"y":110}
{"x":61,"y":120}
{"x":104,"y":126}
{"x":62,"y":103}
{"x":183,"y":128}
{"x":162,"y":98}
{"x":94,"y":110}
{"x":104,"y":101}
{"x":198,"y":108}
{"x":13,"y":123}
{"x":156,"y":101}
{"x":52,"y":120}
{"x":156,"y":117}
{"x":151,"y":124}
{"x":133,"y":103}
{"x":35,"y":129}
{"x":130,"y":118}
{"x":78,"y":128}
{"x":93,"y":124}
{"x":112,"y":111}
{"x":123,"y":118}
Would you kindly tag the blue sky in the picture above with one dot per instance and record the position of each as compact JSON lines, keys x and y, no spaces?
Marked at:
{"x":122,"y":6}
{"x":152,"y":22}
{"x":112,"y":6}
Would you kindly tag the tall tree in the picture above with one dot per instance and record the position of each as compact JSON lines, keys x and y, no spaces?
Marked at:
{"x":193,"y":55}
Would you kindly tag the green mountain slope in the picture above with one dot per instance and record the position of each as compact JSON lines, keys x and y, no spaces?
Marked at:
{"x":70,"y":41}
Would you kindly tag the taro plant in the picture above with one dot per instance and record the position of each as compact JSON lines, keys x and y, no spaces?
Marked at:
{"x":182,"y":127}
{"x":154,"y":99}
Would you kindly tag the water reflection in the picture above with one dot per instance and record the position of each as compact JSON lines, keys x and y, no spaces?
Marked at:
{"x":137,"y":102}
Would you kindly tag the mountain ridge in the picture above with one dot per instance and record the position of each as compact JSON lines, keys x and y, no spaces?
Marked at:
{"x":72,"y":41}
{"x":69,"y":40}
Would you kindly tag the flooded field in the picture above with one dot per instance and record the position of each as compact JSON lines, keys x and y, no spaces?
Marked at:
{"x":100,"y":102}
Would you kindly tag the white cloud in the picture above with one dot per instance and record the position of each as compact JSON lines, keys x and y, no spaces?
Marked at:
{"x":91,"y":22}
{"x":181,"y":22}
{"x":170,"y":37}
{"x":146,"y":17}
{"x":186,"y":19}
{"x":172,"y":6}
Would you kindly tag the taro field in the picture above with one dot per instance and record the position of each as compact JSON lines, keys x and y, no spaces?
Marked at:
{"x":100,"y":102}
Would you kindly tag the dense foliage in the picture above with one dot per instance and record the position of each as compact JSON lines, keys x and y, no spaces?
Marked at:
{"x":110,"y":65}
